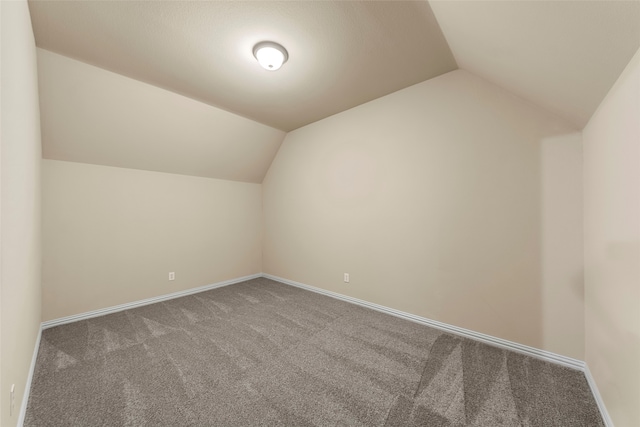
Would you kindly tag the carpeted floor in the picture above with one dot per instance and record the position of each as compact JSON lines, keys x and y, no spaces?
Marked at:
{"x":264,"y":353}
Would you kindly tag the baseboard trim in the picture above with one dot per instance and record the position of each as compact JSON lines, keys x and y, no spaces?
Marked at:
{"x":140,"y":303}
{"x":596,"y":395}
{"x":27,"y":386}
{"x":487,"y":339}
{"x":467,"y":333}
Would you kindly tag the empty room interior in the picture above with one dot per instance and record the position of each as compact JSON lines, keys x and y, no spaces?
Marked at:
{"x":320,"y":213}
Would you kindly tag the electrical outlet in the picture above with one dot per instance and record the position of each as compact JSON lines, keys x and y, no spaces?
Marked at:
{"x":12,"y":399}
{"x":172,"y":276}
{"x":346,"y":277}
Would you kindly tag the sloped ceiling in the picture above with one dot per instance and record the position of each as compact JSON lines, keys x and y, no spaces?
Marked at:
{"x":562,"y":55}
{"x":91,"y":115}
{"x":341,"y":54}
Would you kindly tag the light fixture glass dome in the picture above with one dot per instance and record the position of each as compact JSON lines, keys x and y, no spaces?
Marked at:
{"x":270,"y":55}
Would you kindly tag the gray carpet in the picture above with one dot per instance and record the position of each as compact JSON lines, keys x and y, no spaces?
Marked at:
{"x":264,"y":353}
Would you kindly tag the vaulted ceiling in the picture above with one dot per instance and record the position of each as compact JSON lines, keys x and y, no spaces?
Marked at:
{"x":341,"y":54}
{"x":561,"y":55}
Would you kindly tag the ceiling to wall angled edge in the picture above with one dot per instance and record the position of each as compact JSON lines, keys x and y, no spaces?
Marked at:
{"x":562,"y":56}
{"x":341,"y":54}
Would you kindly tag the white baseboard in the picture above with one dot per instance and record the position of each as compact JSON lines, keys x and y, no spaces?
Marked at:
{"x":27,"y":386}
{"x":109,"y":310}
{"x":596,"y":395}
{"x":140,"y":303}
{"x":487,"y":339}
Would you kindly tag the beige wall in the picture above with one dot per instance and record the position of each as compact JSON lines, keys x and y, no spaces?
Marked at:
{"x":432,"y":198}
{"x":612,"y":247}
{"x":112,"y":235}
{"x":92,"y":115}
{"x":20,"y":198}
{"x":562,"y":245}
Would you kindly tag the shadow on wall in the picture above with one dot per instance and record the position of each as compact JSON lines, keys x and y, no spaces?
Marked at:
{"x":452,"y":199}
{"x":561,"y":234}
{"x":520,"y":273}
{"x":614,"y":281}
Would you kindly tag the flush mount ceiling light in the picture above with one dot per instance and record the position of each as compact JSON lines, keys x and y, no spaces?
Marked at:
{"x":270,"y":55}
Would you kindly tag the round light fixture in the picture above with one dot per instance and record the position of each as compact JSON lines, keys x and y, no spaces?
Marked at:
{"x":270,"y":55}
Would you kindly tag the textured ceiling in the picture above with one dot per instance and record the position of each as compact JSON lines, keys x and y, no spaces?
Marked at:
{"x":341,"y":54}
{"x":561,"y":55}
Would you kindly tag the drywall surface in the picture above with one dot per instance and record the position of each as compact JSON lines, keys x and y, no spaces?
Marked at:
{"x":612,"y":247}
{"x":112,"y":235}
{"x":91,"y":115}
{"x":20,"y":199}
{"x":568,"y":67}
{"x":432,"y":199}
{"x":562,"y":245}
{"x":342,"y":53}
